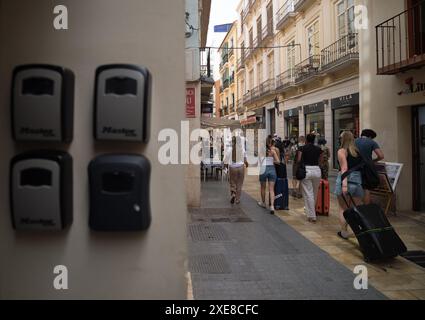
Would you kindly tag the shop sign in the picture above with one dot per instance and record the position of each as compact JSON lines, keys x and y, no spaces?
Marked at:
{"x":292,"y":113}
{"x":314,"y":108}
{"x":190,"y":103}
{"x":346,"y":101}
{"x":250,"y":120}
{"x":412,"y":87}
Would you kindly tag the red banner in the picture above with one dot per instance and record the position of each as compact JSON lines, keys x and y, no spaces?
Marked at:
{"x":190,"y":103}
{"x":250,"y":120}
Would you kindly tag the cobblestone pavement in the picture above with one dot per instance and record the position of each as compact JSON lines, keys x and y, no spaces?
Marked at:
{"x":242,"y":252}
{"x":396,"y":278}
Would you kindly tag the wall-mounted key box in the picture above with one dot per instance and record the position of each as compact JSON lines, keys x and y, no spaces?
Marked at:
{"x":122,"y":103}
{"x":119,"y":193}
{"x":42,"y":103}
{"x":41,"y":190}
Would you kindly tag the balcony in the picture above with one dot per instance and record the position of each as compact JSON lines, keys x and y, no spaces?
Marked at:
{"x":267,"y":31}
{"x":231,"y":53}
{"x":226,"y":83}
{"x":400,"y":41}
{"x":231,"y":108}
{"x":302,"y":5}
{"x":241,"y":63}
{"x":285,"y":80}
{"x":249,"y":51}
{"x":285,"y":15}
{"x":267,"y":88}
{"x":240,"y":109}
{"x":341,"y":53}
{"x":307,"y":69}
{"x":232,"y":78}
{"x":251,"y":95}
{"x":224,"y":59}
{"x":257,"y":41}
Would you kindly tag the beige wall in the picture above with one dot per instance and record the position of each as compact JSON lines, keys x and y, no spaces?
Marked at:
{"x":381,"y":108}
{"x":132,"y":266}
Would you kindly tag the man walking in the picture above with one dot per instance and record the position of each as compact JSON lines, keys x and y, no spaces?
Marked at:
{"x":367,"y":146}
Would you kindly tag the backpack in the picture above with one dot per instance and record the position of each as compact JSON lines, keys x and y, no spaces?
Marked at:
{"x":370,"y":176}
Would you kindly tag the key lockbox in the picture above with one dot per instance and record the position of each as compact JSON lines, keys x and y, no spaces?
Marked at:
{"x":122,"y":103}
{"x":42,"y":105}
{"x":119,"y":193}
{"x":41,"y":190}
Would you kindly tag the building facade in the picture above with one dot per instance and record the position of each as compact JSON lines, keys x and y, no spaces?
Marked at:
{"x":392,"y":89}
{"x":199,"y":84}
{"x":301,"y":69}
{"x":228,"y":91}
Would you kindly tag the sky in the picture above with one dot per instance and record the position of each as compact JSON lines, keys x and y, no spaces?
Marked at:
{"x":222,"y":12}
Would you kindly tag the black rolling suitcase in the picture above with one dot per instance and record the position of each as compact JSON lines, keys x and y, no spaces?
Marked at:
{"x":377,"y":238}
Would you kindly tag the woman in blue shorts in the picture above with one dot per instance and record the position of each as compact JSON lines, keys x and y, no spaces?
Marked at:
{"x":348,"y":158}
{"x":268,"y":173}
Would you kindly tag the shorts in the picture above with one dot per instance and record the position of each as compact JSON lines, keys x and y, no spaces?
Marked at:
{"x":354,"y":185}
{"x":269,"y":174}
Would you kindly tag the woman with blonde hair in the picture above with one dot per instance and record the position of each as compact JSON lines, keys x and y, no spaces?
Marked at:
{"x":349,"y":159}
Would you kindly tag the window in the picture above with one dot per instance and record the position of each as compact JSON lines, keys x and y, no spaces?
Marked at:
{"x":313,"y":41}
{"x":259,"y":29}
{"x":251,"y":37}
{"x":290,"y":55}
{"x":251,"y":79}
{"x":260,"y":72}
{"x":345,"y":19}
{"x":271,"y":66}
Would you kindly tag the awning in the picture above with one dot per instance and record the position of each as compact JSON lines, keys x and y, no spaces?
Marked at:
{"x":220,"y":123}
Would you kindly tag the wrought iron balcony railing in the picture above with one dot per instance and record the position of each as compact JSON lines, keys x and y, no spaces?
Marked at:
{"x":267,"y":87}
{"x":344,"y":50}
{"x":300,"y":5}
{"x":285,"y":80}
{"x":285,"y":13}
{"x":241,"y":63}
{"x":307,"y":69}
{"x":267,"y":32}
{"x":400,"y":41}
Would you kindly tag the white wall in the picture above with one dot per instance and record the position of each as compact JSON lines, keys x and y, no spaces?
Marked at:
{"x":132,"y":266}
{"x":381,"y":108}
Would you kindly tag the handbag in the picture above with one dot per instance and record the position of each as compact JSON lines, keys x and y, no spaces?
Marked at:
{"x":301,"y":172}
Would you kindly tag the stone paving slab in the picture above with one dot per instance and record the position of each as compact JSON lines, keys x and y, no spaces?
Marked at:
{"x":265,"y":259}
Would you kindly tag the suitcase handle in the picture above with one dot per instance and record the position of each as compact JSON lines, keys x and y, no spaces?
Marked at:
{"x":351,"y":198}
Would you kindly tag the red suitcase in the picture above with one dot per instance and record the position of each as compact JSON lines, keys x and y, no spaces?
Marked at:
{"x":323,"y":199}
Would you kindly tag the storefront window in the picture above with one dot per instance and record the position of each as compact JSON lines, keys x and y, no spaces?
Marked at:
{"x":293,"y":127}
{"x":345,"y":119}
{"x":315,"y":123}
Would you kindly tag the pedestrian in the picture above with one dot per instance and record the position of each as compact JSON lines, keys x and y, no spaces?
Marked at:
{"x":310,"y":155}
{"x":348,"y":158}
{"x":326,"y":154}
{"x":367,"y":145}
{"x":268,"y":173}
{"x":296,"y":148}
{"x":236,"y":161}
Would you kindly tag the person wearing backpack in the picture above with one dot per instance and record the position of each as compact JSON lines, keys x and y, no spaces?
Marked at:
{"x":367,"y":146}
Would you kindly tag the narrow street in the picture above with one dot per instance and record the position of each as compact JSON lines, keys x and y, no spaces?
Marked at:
{"x":242,"y":252}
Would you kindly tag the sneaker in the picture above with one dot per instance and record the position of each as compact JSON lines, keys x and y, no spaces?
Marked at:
{"x":262,"y":204}
{"x":272,"y":210}
{"x":312,"y":220}
{"x":238,"y":201}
